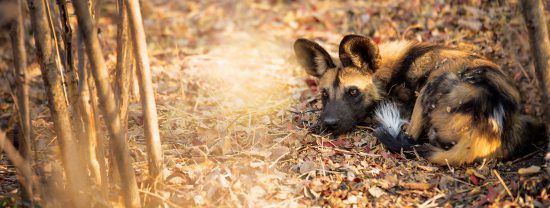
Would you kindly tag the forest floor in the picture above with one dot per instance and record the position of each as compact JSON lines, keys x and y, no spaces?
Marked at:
{"x":234,"y":106}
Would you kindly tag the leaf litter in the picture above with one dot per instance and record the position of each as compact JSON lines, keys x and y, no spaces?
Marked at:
{"x":234,"y":106}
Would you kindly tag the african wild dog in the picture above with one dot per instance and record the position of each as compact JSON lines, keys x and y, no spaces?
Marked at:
{"x":463,"y":106}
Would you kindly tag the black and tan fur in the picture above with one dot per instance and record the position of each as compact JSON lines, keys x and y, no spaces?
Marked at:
{"x":463,"y":106}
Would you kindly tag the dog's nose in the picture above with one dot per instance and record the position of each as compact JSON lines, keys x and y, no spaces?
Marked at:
{"x":331,"y":123}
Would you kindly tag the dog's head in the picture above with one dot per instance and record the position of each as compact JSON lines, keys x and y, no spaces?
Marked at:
{"x":349,"y":91}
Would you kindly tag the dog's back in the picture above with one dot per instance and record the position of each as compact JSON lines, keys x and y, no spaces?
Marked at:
{"x":464,"y":104}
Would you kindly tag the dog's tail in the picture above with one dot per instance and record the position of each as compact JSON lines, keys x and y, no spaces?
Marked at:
{"x":389,"y":132}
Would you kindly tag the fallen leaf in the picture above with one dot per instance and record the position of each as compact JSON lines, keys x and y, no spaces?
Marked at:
{"x":336,"y":143}
{"x":427,"y":168}
{"x":307,"y":166}
{"x":376,"y":192}
{"x":471,"y":24}
{"x":474,"y":179}
{"x":416,"y":186}
{"x":257,"y":192}
{"x":351,"y":200}
{"x":279,"y":151}
{"x":529,"y":170}
{"x":199,"y":200}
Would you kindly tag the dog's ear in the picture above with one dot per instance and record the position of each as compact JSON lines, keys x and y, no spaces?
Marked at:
{"x":359,"y":51}
{"x":312,"y":57}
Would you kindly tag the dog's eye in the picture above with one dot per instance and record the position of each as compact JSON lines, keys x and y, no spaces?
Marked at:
{"x":353,"y":92}
{"x":324,"y":94}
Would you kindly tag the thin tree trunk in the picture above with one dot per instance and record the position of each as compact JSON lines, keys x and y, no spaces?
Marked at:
{"x":80,"y":98}
{"x":87,"y":81}
{"x":22,"y":89}
{"x":72,"y":79}
{"x":108,"y":104}
{"x":58,"y":106}
{"x":124,"y":69}
{"x":154,"y":148}
{"x":100,"y":134}
{"x":17,"y":160}
{"x":533,"y":13}
{"x":58,"y":47}
{"x":94,"y":8}
{"x":94,"y":145}
{"x":55,"y":26}
{"x":68,"y":36}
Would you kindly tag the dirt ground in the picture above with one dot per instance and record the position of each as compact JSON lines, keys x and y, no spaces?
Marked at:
{"x":234,"y":106}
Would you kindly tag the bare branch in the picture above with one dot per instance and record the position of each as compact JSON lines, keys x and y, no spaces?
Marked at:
{"x":108,"y":104}
{"x":124,"y":69}
{"x":58,"y":105}
{"x":22,"y":89}
{"x":152,"y":136}
{"x":18,"y":161}
{"x":22,"y":81}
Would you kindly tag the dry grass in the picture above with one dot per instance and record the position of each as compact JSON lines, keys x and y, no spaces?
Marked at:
{"x":233,"y":106}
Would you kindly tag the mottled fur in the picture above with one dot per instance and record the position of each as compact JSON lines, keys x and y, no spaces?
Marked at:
{"x":463,"y":106}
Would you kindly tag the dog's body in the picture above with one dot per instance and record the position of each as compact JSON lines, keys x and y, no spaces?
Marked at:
{"x":463,"y":105}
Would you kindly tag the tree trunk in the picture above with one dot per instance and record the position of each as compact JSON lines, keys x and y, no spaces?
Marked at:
{"x":68,"y":36}
{"x":80,"y":98}
{"x":108,"y":104}
{"x":22,"y":90}
{"x":72,"y":80}
{"x":59,"y":49}
{"x":94,"y":144}
{"x":124,"y":69}
{"x":87,"y":90}
{"x":18,"y":161}
{"x":58,"y":106}
{"x":533,"y":13}
{"x":154,"y":148}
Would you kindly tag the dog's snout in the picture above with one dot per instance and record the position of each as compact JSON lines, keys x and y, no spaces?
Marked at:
{"x":331,"y":123}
